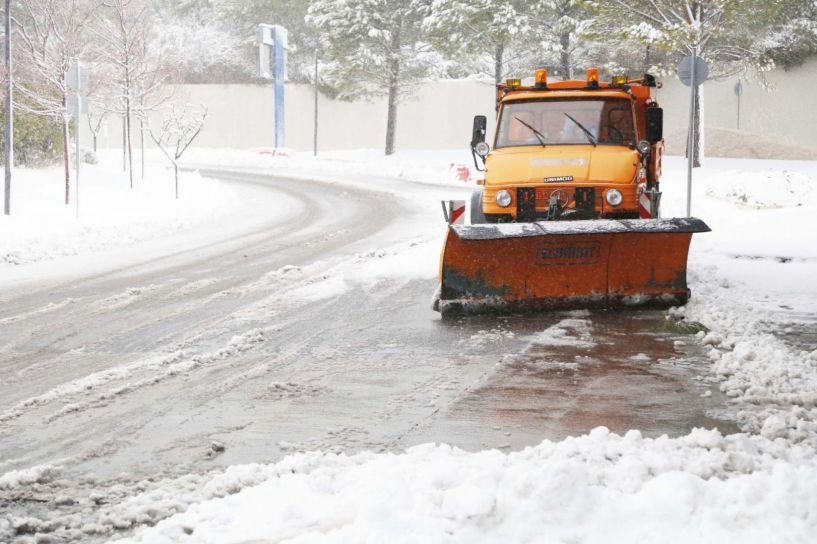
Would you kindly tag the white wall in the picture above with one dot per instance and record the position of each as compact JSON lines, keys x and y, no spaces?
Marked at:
{"x":784,"y":115}
{"x":440,"y":116}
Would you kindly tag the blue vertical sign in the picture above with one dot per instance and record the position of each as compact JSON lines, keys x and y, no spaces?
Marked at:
{"x":279,"y":37}
{"x":272,"y":42}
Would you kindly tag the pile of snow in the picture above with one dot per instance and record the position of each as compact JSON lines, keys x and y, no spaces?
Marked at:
{"x":764,"y":188}
{"x":600,"y":487}
{"x":111,"y":215}
{"x":28,"y":476}
{"x":758,"y":210}
{"x":774,"y":383}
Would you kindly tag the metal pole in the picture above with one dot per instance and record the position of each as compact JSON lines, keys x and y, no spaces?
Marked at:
{"x":9,"y":147}
{"x":142,"y":144}
{"x":77,"y":124}
{"x":315,"y":129}
{"x":738,"y":108}
{"x":691,"y":146}
{"x":124,"y":143}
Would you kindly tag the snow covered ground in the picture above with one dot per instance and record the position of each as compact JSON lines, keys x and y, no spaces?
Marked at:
{"x":42,"y":227}
{"x":116,"y":224}
{"x":753,"y":278}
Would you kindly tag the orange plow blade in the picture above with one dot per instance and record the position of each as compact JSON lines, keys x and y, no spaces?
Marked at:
{"x":566,"y":264}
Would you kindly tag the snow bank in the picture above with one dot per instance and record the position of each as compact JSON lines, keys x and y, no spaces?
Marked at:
{"x":774,"y":382}
{"x":111,"y":215}
{"x":767,"y":188}
{"x":757,"y":209}
{"x":751,"y":277}
{"x":437,"y":167}
{"x":595,"y":488}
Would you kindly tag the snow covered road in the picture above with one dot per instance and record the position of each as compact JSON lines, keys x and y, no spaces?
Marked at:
{"x":312,"y":332}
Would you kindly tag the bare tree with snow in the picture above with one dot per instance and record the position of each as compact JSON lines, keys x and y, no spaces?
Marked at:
{"x":178,"y":130}
{"x":136,"y":73}
{"x":96,"y":119}
{"x":51,"y":34}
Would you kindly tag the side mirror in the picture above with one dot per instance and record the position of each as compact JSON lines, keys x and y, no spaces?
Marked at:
{"x":478,"y":132}
{"x":478,"y":146}
{"x":655,"y":125}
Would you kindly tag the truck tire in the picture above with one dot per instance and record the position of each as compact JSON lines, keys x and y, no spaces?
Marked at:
{"x":477,"y":216}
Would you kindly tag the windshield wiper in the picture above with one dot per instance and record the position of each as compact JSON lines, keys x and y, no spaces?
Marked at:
{"x":587,"y":132}
{"x":539,"y":136}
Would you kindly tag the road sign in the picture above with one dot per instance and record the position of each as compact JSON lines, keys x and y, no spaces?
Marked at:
{"x":685,"y":70}
{"x":272,"y":50}
{"x":265,"y":48}
{"x":77,"y":80}
{"x":272,"y":55}
{"x":72,"y":105}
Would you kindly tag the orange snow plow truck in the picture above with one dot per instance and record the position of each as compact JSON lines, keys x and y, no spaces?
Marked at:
{"x":567,"y":215}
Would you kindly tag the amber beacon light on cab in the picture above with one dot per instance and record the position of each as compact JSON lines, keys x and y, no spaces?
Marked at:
{"x":568,"y":212}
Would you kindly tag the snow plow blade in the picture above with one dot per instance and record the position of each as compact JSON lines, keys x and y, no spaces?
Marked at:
{"x":566,"y":265}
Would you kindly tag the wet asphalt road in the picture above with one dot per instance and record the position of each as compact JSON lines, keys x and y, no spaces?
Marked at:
{"x":136,"y":372}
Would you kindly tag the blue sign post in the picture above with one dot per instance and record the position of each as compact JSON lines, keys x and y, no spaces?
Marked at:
{"x":273,"y":62}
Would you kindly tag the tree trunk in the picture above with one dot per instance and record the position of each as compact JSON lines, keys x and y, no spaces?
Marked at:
{"x":394,"y":85}
{"x":128,"y":140}
{"x":391,"y":122}
{"x":9,"y":128}
{"x":142,"y":145}
{"x":176,"y":173}
{"x":566,"y":68}
{"x":124,"y":144}
{"x":499,"y":54}
{"x":647,"y":58}
{"x":66,"y":161}
{"x":696,"y":147}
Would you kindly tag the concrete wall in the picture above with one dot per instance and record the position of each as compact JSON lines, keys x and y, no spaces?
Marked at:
{"x":241,"y":116}
{"x":784,"y":116}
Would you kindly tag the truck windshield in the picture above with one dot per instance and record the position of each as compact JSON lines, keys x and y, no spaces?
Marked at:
{"x":602,"y":121}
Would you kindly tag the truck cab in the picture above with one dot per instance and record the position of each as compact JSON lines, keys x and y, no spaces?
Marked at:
{"x":579,"y":149}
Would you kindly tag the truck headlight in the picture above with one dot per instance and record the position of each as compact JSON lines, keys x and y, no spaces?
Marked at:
{"x":503,"y":198}
{"x":614,"y":197}
{"x":644,"y":147}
